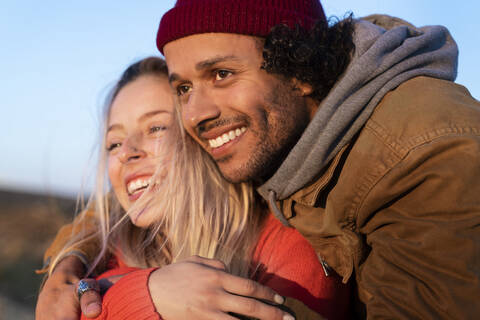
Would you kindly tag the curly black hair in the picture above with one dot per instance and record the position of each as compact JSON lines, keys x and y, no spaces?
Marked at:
{"x":317,"y":57}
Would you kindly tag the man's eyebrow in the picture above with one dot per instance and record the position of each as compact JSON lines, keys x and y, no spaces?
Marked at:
{"x":173,"y":77}
{"x":210,"y":62}
{"x":202,"y":65}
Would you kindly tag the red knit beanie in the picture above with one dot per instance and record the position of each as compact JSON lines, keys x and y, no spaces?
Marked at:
{"x":249,"y":17}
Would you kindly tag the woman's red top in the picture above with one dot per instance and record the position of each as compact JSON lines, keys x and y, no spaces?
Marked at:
{"x":286,"y":262}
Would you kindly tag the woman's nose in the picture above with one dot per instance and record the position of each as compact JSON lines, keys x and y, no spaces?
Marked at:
{"x":131,"y":150}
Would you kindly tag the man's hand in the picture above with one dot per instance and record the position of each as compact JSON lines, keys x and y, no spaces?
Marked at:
{"x":58,"y":298}
{"x":200,"y":288}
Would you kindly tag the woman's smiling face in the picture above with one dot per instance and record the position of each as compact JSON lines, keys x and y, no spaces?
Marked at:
{"x":138,"y":118}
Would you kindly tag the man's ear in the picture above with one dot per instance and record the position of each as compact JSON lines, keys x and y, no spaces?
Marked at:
{"x":303,"y":88}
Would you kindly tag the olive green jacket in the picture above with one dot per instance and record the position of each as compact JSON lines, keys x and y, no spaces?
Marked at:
{"x":398,"y":209}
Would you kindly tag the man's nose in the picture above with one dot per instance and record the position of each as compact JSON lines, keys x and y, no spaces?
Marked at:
{"x":131,"y":150}
{"x":200,"y":108}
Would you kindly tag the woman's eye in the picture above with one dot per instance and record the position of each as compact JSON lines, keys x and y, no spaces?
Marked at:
{"x":222,"y":74}
{"x":182,"y":89}
{"x":155,"y":129}
{"x":113,"y":146}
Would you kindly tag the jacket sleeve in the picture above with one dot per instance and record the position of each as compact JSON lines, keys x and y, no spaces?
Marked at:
{"x":422,"y":224}
{"x":299,"y":310}
{"x":84,"y":223}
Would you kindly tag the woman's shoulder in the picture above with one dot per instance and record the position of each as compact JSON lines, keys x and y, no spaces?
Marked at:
{"x":277,"y":242}
{"x":116,"y":272}
{"x":286,"y":262}
{"x":281,"y":249}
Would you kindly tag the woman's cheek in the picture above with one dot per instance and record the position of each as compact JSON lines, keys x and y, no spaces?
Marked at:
{"x":116,"y":180}
{"x":154,"y":146}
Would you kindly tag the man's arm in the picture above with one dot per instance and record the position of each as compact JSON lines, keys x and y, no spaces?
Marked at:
{"x":191,"y":289}
{"x":57,"y":298}
{"x":422,"y":223}
{"x":84,"y":223}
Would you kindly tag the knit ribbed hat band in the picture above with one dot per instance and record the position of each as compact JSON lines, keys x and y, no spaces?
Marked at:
{"x":249,"y":17}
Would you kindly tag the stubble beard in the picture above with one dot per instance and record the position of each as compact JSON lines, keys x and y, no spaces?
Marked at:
{"x":281,"y":122}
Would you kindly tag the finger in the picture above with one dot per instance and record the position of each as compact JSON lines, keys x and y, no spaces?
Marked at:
{"x":253,"y":308}
{"x":60,"y":276}
{"x":71,"y":279}
{"x":213,"y":263}
{"x":57,"y":304}
{"x":249,"y":288}
{"x":91,"y":301}
{"x":225,"y":316}
{"x":91,"y":304}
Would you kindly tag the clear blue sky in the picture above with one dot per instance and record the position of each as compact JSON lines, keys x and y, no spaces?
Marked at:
{"x":58,"y":58}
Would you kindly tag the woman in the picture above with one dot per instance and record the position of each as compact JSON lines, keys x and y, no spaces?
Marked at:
{"x":170,"y":203}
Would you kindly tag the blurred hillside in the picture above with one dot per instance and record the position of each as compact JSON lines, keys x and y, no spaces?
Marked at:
{"x":28,"y":223}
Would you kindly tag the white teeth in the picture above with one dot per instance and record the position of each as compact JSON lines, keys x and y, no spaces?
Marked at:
{"x":138,"y":184}
{"x":226,"y":137}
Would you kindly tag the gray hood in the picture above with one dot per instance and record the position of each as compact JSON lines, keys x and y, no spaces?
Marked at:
{"x":388,"y":52}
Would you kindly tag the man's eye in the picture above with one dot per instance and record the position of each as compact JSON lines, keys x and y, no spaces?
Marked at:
{"x":222,"y":74}
{"x":156,"y":129}
{"x":182,"y":89}
{"x":113,"y":146}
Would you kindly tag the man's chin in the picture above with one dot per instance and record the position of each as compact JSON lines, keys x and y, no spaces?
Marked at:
{"x":235,"y":172}
{"x":233,"y":175}
{"x":254,"y":172}
{"x":238,"y":169}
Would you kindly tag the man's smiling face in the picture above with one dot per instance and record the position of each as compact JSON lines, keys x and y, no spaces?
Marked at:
{"x":246,"y":119}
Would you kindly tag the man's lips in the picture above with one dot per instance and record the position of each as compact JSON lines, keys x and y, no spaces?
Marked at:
{"x":218,"y":135}
{"x":218,"y":129}
{"x":226,"y":137}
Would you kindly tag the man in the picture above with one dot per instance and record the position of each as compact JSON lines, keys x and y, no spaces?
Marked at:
{"x":354,"y":133}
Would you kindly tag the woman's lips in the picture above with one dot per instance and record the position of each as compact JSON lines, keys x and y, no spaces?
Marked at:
{"x":137,"y":185}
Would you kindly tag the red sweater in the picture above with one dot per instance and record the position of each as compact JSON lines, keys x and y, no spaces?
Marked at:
{"x":286,"y":263}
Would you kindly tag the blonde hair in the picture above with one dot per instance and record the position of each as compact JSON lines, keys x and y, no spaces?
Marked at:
{"x":199,"y":212}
